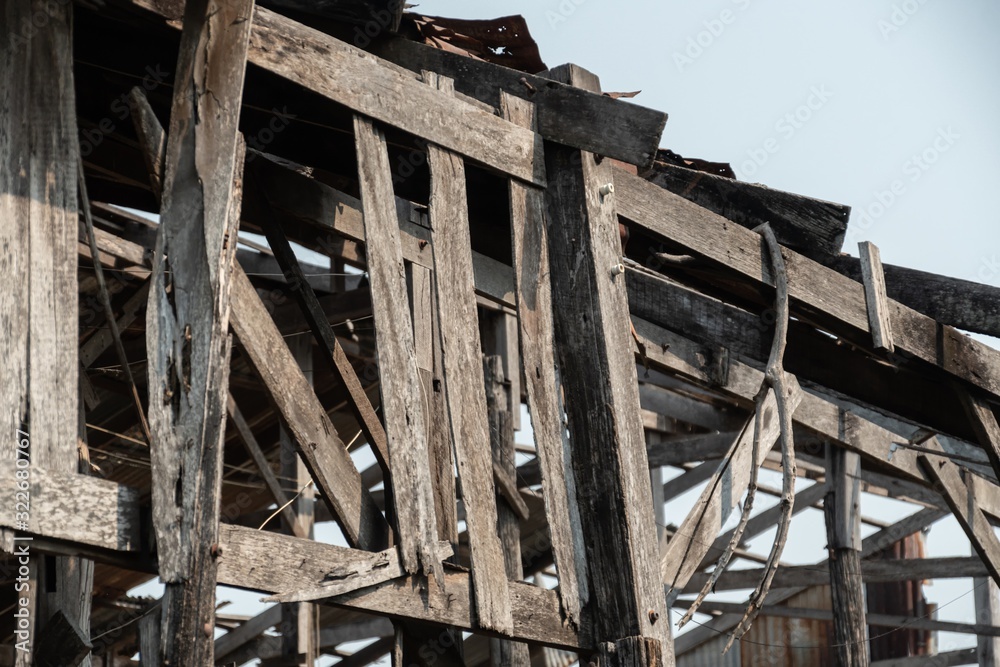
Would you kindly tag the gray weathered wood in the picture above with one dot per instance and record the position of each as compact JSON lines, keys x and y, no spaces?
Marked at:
{"x":843,"y":529}
{"x":247,"y":631}
{"x":262,"y":561}
{"x":871,"y":571}
{"x":831,"y":298}
{"x":721,"y":496}
{"x":187,"y":332}
{"x":809,"y":226}
{"x":463,"y":375}
{"x":590,"y":313}
{"x":984,"y":425}
{"x":529,"y":237}
{"x":567,"y":115}
{"x":987,"y":605}
{"x":404,"y":411}
{"x":321,"y":447}
{"x":365,"y":84}
{"x":962,"y":656}
{"x":61,"y":643}
{"x":957,"y":494}
{"x":876,"y":300}
{"x":149,"y":637}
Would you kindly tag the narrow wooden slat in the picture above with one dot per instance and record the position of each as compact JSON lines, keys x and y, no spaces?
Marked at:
{"x":187,"y":327}
{"x":962,"y":656}
{"x":247,"y":631}
{"x":319,"y":444}
{"x":590,"y":314}
{"x":60,"y":643}
{"x":464,"y":382}
{"x":721,"y":496}
{"x":404,"y":411}
{"x":963,"y":505}
{"x":826,"y":294}
{"x":876,"y":300}
{"x":984,"y":425}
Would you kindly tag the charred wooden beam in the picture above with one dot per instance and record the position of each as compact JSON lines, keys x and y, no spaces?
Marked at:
{"x":590,"y":312}
{"x":812,"y":227}
{"x":187,"y":330}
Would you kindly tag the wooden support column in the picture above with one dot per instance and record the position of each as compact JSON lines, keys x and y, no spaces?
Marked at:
{"x":298,"y":641}
{"x":39,"y":362}
{"x":187,"y":325}
{"x":987,"y":597}
{"x":504,"y":653}
{"x":843,"y":531}
{"x":596,"y":358}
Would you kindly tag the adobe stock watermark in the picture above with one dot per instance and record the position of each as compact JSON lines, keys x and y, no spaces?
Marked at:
{"x":901,"y":14}
{"x":279,"y":122}
{"x":120,"y":109}
{"x":913,"y":170}
{"x":380,"y":21}
{"x":704,"y":39}
{"x":786,"y":127}
{"x":563,"y":11}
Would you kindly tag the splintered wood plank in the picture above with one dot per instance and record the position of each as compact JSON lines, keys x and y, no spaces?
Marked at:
{"x":464,"y":382}
{"x":827,"y":296}
{"x":529,"y":237}
{"x":721,"y":496}
{"x":403,"y":409}
{"x":597,"y":365}
{"x":359,"y":403}
{"x":957,"y":493}
{"x":264,"y":561}
{"x":368,"y":85}
{"x":187,"y":327}
{"x":319,"y":444}
{"x":875,"y":299}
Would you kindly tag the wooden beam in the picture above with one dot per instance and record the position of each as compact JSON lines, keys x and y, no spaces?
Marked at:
{"x":987,"y":605}
{"x":566,"y":114}
{"x":590,"y":312}
{"x":829,"y":298}
{"x":872,"y":571}
{"x":876,"y":300}
{"x":463,"y":378}
{"x":61,"y":643}
{"x":843,"y":529}
{"x":963,"y":656}
{"x":957,"y":493}
{"x":367,"y":85}
{"x":404,"y":411}
{"x":812,"y":227}
{"x":257,"y":560}
{"x":960,"y":303}
{"x":529,"y":239}
{"x":187,"y":328}
{"x":984,"y":425}
{"x":321,"y":447}
{"x":695,"y":537}
{"x":247,"y":631}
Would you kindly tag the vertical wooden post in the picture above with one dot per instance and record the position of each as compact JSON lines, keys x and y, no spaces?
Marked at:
{"x":843,"y":531}
{"x":987,"y":596}
{"x":503,"y":652}
{"x":297,"y":618}
{"x":187,"y":327}
{"x":596,"y":358}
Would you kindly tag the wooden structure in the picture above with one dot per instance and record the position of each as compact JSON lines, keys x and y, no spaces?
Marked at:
{"x":182,"y":400}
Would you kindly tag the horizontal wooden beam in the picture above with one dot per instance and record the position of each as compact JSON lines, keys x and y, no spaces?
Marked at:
{"x":812,"y":227}
{"x":365,"y":84}
{"x":874,"y":571}
{"x":261,"y":561}
{"x":817,"y":292}
{"x":566,"y":115}
{"x":962,"y":656}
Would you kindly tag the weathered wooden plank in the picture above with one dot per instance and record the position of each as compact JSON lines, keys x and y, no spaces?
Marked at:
{"x":61,"y":643}
{"x":872,"y":571}
{"x":366,"y":84}
{"x":843,"y":530}
{"x":260,"y":561}
{"x":77,"y":508}
{"x":984,"y":425}
{"x":463,"y":377}
{"x":957,"y":494}
{"x":960,"y":303}
{"x":590,"y":314}
{"x":876,"y":300}
{"x":187,"y":331}
{"x":321,"y":447}
{"x":962,"y":656}
{"x":404,"y":411}
{"x":987,"y":605}
{"x":827,"y":296}
{"x":247,"y":631}
{"x":149,"y":637}
{"x":567,"y":115}
{"x":809,"y":226}
{"x":720,"y":497}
